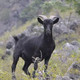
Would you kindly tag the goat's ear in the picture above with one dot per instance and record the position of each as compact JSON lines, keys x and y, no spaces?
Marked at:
{"x":40,"y":20}
{"x":55,"y":20}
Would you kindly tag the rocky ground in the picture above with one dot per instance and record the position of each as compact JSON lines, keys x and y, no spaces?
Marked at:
{"x":65,"y":61}
{"x":10,"y":11}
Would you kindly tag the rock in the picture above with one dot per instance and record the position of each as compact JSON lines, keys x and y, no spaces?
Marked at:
{"x":63,"y":78}
{"x":10,"y":43}
{"x":71,"y":66}
{"x":76,"y":66}
{"x":1,"y":43}
{"x":33,"y":30}
{"x":61,"y":28}
{"x":75,"y":43}
{"x":67,"y":50}
{"x":57,"y":29}
{"x":38,"y":29}
{"x":62,"y":40}
{"x":8,"y":51}
{"x":73,"y":26}
{"x":70,"y":48}
{"x":66,"y":78}
{"x":74,"y":76}
{"x":58,"y":77}
{"x":9,"y":47}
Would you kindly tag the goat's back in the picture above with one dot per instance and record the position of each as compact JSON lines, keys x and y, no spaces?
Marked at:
{"x":28,"y":45}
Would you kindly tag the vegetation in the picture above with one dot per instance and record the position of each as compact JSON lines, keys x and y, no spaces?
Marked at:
{"x":45,"y":7}
{"x":31,"y":11}
{"x":56,"y":66}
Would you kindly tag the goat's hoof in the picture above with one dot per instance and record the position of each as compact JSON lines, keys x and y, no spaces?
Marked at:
{"x":13,"y":78}
{"x":28,"y":74}
{"x":47,"y":77}
{"x":33,"y":76}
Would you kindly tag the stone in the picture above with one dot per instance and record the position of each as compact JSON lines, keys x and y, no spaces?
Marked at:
{"x":63,"y":78}
{"x":75,"y":43}
{"x":1,"y":43}
{"x":73,"y":26}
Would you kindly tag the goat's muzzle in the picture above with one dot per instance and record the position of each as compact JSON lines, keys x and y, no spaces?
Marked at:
{"x":48,"y":31}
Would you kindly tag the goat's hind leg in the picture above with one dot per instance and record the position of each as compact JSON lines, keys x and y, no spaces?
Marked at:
{"x":25,"y":68}
{"x":15,"y":60}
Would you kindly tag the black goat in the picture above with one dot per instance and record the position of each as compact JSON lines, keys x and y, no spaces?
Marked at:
{"x":36,"y":48}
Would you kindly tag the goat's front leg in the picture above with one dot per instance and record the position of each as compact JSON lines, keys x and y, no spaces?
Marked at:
{"x":46,"y":65}
{"x":35,"y":68}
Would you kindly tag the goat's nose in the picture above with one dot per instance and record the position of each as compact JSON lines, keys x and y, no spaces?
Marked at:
{"x":48,"y":31}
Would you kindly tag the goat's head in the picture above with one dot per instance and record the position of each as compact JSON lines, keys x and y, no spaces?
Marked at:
{"x":47,"y":23}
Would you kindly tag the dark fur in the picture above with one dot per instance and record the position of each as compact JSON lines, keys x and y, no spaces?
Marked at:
{"x":16,"y":38}
{"x":29,"y":47}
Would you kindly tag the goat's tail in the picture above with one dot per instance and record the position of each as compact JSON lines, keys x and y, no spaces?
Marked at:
{"x":16,"y":39}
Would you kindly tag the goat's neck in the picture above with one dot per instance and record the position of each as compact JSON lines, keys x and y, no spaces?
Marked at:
{"x":48,"y":38}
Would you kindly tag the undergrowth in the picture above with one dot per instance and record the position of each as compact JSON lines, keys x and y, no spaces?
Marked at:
{"x":56,"y":66}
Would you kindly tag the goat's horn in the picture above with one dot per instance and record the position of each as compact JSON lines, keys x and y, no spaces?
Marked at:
{"x":42,"y":16}
{"x":51,"y":17}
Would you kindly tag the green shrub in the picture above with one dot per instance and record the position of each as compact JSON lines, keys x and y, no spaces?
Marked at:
{"x":47,"y":7}
{"x":77,"y":8}
{"x":32,"y":10}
